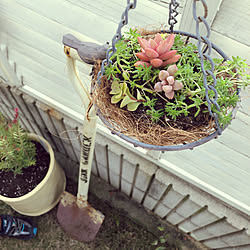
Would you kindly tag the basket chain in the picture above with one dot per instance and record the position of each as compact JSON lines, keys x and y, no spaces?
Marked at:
{"x":173,"y":5}
{"x":124,"y":20}
{"x":206,"y":56}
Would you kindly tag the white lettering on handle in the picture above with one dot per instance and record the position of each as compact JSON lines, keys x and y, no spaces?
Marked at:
{"x":84,"y":175}
{"x":86,"y":145}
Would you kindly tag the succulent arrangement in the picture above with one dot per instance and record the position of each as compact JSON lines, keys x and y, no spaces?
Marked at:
{"x":160,"y":75}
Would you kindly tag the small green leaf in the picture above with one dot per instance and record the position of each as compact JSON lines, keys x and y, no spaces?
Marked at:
{"x":162,"y":239}
{"x":116,"y":98}
{"x":161,"y":248}
{"x":115,"y":88}
{"x":123,"y":60}
{"x":155,"y":243}
{"x":160,"y":228}
{"x":125,"y":76}
{"x":197,"y":112}
{"x":126,"y":100}
{"x":133,"y":106}
{"x":118,"y":70}
{"x":139,"y":96}
{"x":128,"y":93}
{"x":124,"y":88}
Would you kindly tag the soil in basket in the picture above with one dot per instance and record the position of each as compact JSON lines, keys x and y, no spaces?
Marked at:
{"x":182,"y":122}
{"x":18,"y":185}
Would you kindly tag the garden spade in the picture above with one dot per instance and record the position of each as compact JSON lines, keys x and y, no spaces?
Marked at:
{"x":76,"y":216}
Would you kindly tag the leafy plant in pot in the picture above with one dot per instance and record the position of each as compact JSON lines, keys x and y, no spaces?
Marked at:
{"x":153,"y":90}
{"x":31,"y":181}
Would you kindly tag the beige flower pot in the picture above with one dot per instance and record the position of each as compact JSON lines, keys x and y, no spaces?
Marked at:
{"x":46,"y":194}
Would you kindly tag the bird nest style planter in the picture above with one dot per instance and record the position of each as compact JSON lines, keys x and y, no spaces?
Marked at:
{"x":161,"y":104}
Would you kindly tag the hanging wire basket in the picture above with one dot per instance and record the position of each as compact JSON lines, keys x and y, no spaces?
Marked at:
{"x":205,"y":48}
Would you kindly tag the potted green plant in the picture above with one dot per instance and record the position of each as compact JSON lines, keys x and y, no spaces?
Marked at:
{"x":31,"y":181}
{"x":153,"y":90}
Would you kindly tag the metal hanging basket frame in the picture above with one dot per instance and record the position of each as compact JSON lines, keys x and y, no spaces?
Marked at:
{"x":205,"y":47}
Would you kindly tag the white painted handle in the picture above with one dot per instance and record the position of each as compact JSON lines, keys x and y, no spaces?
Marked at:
{"x":88,"y":132}
{"x":87,"y":152}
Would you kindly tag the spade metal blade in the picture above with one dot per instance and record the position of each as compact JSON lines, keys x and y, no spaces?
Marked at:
{"x":78,"y":219}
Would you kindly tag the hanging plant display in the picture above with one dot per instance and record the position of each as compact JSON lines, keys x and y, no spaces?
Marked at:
{"x":159,"y":90}
{"x":154,"y":91}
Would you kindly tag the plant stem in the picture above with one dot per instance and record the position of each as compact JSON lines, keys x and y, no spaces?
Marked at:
{"x":145,"y":89}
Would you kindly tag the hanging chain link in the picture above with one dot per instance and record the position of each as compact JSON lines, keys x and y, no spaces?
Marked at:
{"x":206,"y":56}
{"x":173,"y":5}
{"x":124,"y":20}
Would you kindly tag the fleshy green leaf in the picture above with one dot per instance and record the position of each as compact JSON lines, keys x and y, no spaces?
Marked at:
{"x":115,"y":88}
{"x":155,"y":243}
{"x":125,"y":76}
{"x":163,"y":239}
{"x":128,"y":93}
{"x":116,"y":98}
{"x":126,"y":100}
{"x":160,"y":228}
{"x":161,"y":248}
{"x":133,"y":106}
{"x":139,"y":96}
{"x":124,"y":88}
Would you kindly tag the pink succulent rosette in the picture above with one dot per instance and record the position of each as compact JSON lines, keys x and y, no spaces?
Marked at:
{"x":156,"y":52}
{"x":167,"y":82}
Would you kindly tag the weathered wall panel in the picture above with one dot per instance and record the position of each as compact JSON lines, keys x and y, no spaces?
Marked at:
{"x":232,"y":20}
{"x":199,"y":220}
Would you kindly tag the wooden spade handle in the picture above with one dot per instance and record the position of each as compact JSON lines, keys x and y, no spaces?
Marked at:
{"x":89,"y":127}
{"x":87,"y":152}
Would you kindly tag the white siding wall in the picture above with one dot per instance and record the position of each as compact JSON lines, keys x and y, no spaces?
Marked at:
{"x":230,"y":29}
{"x":33,"y":31}
{"x":230,"y":22}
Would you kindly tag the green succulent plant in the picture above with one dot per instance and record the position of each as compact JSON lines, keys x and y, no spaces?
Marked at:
{"x":120,"y":92}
